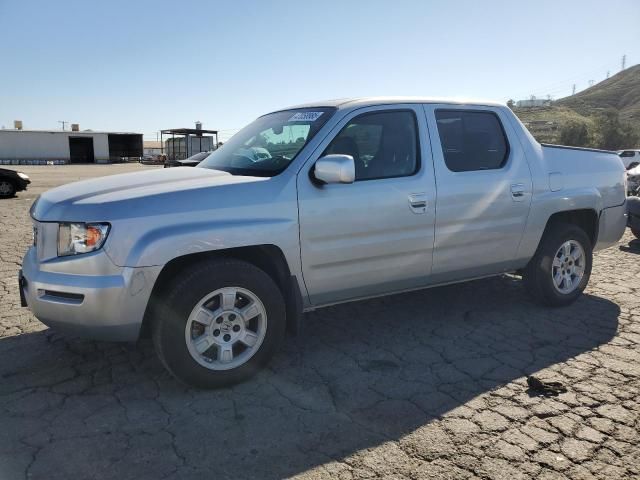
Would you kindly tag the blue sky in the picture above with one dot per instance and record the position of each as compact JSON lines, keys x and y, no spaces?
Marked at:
{"x":145,"y":65}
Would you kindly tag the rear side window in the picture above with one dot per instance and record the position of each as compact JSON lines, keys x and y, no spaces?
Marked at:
{"x":627,"y":154}
{"x":471,"y":140}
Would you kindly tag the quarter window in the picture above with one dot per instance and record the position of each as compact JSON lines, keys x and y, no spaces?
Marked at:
{"x":471,"y":140}
{"x":382,"y":144}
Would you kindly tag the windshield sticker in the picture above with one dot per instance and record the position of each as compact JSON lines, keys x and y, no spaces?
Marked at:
{"x":305,"y":117}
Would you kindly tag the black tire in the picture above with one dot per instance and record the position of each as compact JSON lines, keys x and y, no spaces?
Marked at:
{"x":8,"y":184}
{"x":537,"y":275}
{"x":636,"y":233}
{"x":182,"y":295}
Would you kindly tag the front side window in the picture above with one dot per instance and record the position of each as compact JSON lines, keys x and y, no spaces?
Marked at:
{"x":382,"y":144}
{"x":471,"y":140}
{"x":627,"y":154}
{"x":267,"y":146}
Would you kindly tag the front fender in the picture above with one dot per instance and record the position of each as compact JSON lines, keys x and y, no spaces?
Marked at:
{"x":163,"y":242}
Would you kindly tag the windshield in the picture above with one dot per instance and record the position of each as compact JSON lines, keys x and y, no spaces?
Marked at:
{"x":267,"y":146}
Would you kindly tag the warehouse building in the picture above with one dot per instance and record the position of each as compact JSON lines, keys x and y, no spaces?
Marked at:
{"x":33,"y":147}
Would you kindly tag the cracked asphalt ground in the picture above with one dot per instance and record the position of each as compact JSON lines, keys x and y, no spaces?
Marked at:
{"x":421,"y":385}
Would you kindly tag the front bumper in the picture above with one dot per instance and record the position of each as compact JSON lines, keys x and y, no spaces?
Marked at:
{"x":104,"y":302}
{"x":22,"y":185}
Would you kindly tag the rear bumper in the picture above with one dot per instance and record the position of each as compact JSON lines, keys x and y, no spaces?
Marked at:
{"x":612,"y":224}
{"x":102,"y":307}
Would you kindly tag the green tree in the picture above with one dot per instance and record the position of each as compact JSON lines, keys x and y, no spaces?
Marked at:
{"x":575,"y":134}
{"x":612,"y":134}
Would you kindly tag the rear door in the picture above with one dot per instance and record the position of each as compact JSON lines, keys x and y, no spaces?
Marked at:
{"x":375,"y":235}
{"x":484,"y":191}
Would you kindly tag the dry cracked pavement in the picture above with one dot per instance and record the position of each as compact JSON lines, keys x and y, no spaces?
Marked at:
{"x":414,"y":386}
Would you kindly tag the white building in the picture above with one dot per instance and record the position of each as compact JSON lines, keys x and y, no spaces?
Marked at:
{"x":533,"y":102}
{"x":19,"y":147}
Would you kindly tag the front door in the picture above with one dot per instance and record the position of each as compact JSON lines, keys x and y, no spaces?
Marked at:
{"x":375,"y":235}
{"x":484,"y":191}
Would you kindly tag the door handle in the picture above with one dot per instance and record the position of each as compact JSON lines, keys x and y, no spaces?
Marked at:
{"x":517,"y":191}
{"x":418,"y":202}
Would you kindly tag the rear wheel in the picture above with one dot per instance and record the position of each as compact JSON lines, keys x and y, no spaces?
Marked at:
{"x":560,"y":270}
{"x":636,"y":232}
{"x":219,"y":323}
{"x":7,"y":188}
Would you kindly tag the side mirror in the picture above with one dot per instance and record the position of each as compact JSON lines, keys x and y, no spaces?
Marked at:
{"x":335,"y":169}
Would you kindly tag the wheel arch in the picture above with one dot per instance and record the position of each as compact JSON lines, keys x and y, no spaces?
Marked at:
{"x":585,"y":218}
{"x":267,"y":257}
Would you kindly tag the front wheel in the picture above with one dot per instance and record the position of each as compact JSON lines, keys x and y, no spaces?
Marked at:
{"x":560,"y":270}
{"x":219,"y":323}
{"x":7,"y":189}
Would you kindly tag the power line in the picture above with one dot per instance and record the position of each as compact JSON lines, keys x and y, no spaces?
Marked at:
{"x":565,"y":85}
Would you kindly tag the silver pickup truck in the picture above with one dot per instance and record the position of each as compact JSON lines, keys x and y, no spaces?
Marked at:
{"x":311,"y":206}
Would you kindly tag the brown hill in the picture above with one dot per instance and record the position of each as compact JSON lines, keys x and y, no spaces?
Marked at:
{"x":620,"y":92}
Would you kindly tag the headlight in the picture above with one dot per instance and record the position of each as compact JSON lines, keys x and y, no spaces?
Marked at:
{"x":23,"y":176}
{"x":75,"y":238}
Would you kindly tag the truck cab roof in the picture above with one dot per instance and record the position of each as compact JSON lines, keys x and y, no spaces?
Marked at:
{"x":342,"y":103}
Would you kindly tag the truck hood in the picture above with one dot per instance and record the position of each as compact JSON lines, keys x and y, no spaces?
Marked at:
{"x":135,"y":194}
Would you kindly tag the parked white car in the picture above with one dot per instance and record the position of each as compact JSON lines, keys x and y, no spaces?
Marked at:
{"x":349,"y":199}
{"x":630,"y":158}
{"x":633,"y":180}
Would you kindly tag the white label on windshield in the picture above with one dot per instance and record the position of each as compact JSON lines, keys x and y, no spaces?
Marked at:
{"x":305,"y":116}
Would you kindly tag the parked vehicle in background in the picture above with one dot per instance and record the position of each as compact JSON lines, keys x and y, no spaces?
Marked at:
{"x":12,"y":182}
{"x":633,"y":181}
{"x":153,"y":159}
{"x":216,"y":262}
{"x":633,"y":215}
{"x":191,"y":161}
{"x":630,"y":158}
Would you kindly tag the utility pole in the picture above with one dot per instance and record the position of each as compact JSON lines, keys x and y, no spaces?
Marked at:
{"x":591,"y":82}
{"x":607,"y":73}
{"x":624,"y":61}
{"x":573,"y":91}
{"x":63,"y":122}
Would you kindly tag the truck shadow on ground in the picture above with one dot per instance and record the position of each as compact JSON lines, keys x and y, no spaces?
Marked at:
{"x":360,"y":375}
